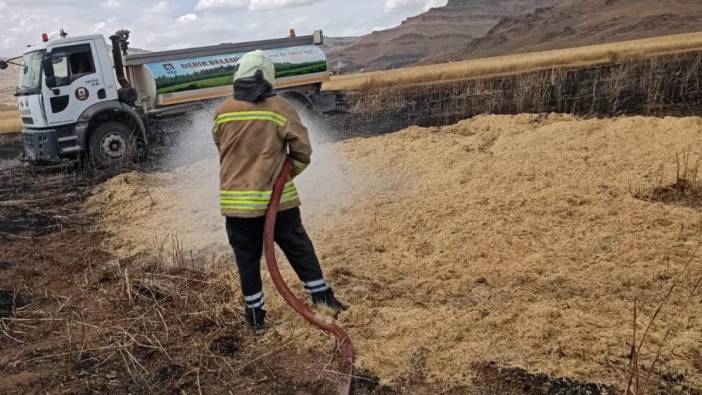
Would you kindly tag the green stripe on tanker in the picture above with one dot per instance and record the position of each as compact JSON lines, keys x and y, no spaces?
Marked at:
{"x":201,"y":84}
{"x":213,"y":71}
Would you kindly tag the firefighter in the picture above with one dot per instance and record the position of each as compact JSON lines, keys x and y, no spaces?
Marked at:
{"x":255,"y":132}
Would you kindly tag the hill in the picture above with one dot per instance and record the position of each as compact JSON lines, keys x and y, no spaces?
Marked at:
{"x":425,"y":36}
{"x":573,"y":24}
{"x":471,"y":29}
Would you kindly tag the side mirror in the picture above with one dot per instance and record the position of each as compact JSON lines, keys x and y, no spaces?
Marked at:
{"x":48,"y":67}
{"x":3,"y":65}
{"x":51,"y":82}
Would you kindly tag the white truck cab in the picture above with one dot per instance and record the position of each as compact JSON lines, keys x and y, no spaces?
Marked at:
{"x":77,"y":74}
{"x":64,"y":84}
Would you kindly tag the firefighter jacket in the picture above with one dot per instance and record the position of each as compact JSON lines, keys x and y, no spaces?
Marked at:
{"x":254,"y":140}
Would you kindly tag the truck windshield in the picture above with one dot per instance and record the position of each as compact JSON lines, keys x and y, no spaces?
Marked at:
{"x":30,"y":77}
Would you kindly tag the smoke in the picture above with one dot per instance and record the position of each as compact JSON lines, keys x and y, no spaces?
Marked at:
{"x":323,"y":187}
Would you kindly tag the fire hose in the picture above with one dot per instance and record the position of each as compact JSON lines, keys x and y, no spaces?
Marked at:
{"x":330,"y":326}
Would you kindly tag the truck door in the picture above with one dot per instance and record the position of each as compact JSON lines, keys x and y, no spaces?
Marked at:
{"x":75,"y":85}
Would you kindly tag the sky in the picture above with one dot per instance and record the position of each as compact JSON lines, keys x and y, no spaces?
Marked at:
{"x":171,"y":24}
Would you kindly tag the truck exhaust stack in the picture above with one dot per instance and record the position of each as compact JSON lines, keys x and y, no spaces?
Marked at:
{"x":119,"y":48}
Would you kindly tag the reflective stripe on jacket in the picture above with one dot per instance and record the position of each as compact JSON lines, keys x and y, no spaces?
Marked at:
{"x":254,"y":139}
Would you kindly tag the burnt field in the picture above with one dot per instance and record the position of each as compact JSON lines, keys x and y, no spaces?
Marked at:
{"x":669,"y":85}
{"x":76,"y":318}
{"x":549,"y":242}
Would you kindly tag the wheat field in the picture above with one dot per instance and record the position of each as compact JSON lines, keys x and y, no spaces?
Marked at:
{"x":570,"y":57}
{"x":9,"y":120}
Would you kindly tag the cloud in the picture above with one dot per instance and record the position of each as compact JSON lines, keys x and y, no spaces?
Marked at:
{"x":187,"y":18}
{"x":206,"y":5}
{"x":272,"y":4}
{"x":300,"y":21}
{"x":380,"y":28}
{"x":100,"y":26}
{"x":159,"y":8}
{"x":254,"y":5}
{"x":412,"y":5}
{"x":112,"y":4}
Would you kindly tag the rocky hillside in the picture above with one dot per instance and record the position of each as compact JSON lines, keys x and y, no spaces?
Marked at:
{"x":428,"y":35}
{"x":469,"y":29}
{"x":580,"y":23}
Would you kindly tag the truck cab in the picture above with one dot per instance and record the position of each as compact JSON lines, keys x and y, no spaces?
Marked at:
{"x":63,"y":84}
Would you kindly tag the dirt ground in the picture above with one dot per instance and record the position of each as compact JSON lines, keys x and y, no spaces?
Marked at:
{"x":519,"y":244}
{"x":76,"y":319}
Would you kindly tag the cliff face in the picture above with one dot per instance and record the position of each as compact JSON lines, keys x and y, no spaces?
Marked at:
{"x":468,"y":29}
{"x":428,"y":35}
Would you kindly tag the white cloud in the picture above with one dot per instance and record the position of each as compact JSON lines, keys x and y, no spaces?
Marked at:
{"x":112,"y":4}
{"x":105,"y":27}
{"x":205,"y":5}
{"x":254,"y":5}
{"x":272,"y":4}
{"x":187,"y":18}
{"x":380,"y":28}
{"x":412,"y":5}
{"x":159,"y":8}
{"x":299,"y":22}
{"x":100,"y":26}
{"x":3,"y":5}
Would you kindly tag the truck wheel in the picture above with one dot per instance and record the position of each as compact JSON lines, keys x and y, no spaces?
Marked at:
{"x":112,"y":145}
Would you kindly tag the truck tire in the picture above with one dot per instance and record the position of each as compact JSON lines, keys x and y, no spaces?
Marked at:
{"x":112,"y":145}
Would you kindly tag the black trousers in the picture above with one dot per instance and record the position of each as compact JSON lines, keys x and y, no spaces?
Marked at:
{"x":246,"y":238}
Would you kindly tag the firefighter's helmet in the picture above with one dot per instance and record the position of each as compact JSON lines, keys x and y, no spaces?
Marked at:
{"x":253,"y":61}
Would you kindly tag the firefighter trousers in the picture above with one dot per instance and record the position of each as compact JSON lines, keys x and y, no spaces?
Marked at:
{"x":246,"y":238}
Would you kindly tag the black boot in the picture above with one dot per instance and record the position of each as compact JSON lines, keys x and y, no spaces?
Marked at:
{"x":327,"y":298}
{"x":256,"y":318}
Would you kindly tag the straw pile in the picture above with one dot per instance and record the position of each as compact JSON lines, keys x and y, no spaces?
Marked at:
{"x":513,"y":239}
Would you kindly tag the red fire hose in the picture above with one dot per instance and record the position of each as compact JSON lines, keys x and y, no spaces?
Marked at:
{"x":342,"y":338}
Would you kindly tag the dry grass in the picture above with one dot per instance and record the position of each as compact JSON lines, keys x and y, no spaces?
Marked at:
{"x":511,"y":239}
{"x":521,"y":63}
{"x":9,"y":120}
{"x":169,"y":326}
{"x":661,"y":85}
{"x":685,"y":190}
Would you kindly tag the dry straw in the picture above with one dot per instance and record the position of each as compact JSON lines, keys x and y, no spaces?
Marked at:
{"x":512,"y":239}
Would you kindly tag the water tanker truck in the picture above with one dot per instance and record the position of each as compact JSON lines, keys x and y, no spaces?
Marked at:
{"x":79,"y":98}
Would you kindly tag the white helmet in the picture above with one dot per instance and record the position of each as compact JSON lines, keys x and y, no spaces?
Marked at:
{"x":253,"y":61}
